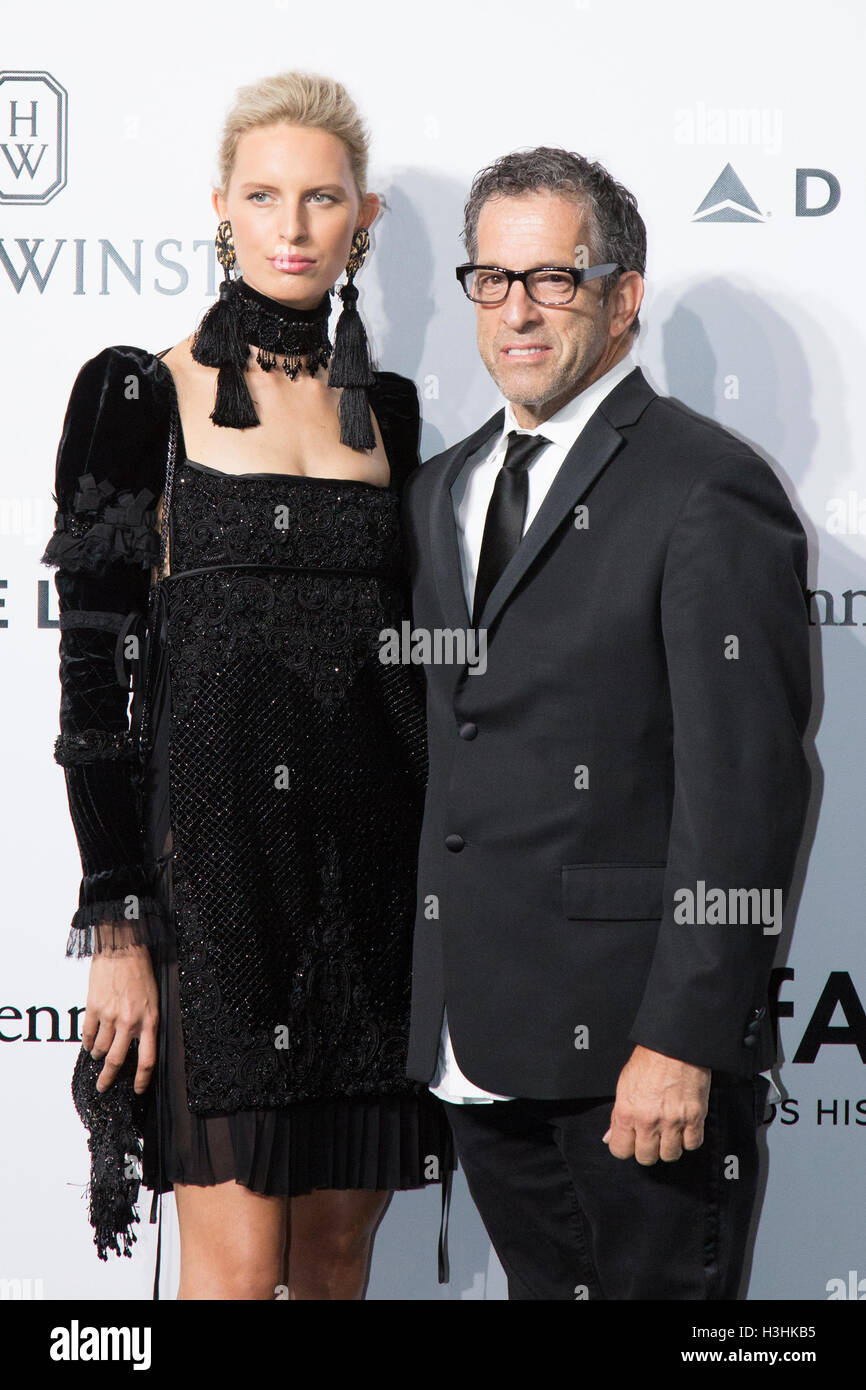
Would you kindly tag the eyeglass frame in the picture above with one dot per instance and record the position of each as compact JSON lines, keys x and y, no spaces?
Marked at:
{"x":580,"y":274}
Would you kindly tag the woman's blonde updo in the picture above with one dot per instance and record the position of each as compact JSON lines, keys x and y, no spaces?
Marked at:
{"x":318,"y":103}
{"x":298,"y":98}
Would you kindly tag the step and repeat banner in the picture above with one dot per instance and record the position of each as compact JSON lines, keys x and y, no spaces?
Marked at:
{"x":738,"y":126}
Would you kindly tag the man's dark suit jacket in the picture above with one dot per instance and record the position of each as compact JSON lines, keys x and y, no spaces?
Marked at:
{"x":545,"y":916}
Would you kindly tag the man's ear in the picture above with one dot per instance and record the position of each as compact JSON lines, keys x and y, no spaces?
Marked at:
{"x":627,"y":296}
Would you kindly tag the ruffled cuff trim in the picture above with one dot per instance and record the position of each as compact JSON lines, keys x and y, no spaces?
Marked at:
{"x":103,"y":527}
{"x":94,"y":745}
{"x":106,"y":926}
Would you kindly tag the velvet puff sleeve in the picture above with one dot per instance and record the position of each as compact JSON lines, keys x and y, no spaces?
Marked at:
{"x":394,"y":400}
{"x":109,"y":478}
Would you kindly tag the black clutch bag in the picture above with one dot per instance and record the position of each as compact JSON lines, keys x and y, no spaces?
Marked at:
{"x":115,"y":1121}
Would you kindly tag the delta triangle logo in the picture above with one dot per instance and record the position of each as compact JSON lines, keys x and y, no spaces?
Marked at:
{"x":728,"y":201}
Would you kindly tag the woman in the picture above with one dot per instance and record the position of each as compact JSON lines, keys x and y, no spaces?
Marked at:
{"x":228,"y":538}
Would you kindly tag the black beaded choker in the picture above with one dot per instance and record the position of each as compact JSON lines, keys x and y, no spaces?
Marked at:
{"x":300,"y":336}
{"x":243,"y":315}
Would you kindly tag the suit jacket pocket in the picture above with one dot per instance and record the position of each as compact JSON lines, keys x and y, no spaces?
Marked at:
{"x":612,"y":892}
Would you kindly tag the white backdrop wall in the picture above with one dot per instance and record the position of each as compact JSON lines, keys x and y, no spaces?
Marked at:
{"x":757,"y":322}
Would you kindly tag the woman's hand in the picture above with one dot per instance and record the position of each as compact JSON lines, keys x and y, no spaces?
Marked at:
{"x":122,"y":1004}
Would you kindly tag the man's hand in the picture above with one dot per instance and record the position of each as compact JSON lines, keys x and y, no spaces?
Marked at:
{"x":660,"y":1107}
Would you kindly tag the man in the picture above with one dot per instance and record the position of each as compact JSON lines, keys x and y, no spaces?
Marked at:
{"x":616,"y":797}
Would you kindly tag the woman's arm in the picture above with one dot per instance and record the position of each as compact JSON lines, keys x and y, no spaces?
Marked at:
{"x":109,"y":472}
{"x":108,"y":478}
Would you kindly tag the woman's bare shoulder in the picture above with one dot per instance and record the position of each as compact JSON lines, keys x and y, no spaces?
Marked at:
{"x":180,"y":358}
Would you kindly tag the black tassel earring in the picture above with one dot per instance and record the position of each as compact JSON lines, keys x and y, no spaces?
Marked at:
{"x":350,"y":364}
{"x":219,"y":342}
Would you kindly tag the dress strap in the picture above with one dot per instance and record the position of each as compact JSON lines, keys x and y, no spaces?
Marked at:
{"x":167,"y":488}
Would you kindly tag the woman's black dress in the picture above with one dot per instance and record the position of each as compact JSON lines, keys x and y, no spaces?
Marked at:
{"x":279,"y":786}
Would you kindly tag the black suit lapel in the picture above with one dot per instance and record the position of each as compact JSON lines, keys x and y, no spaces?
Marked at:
{"x":596,"y":444}
{"x":444,"y":544}
{"x":598,"y":441}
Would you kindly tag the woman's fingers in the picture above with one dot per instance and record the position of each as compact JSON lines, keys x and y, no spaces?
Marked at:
{"x":122,"y":1004}
{"x":146,"y":1054}
{"x":115,"y":1057}
{"x":90,"y":1027}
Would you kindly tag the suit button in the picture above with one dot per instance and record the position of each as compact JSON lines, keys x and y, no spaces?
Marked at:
{"x":468,"y":730}
{"x":454,"y":843}
{"x":750,"y":1041}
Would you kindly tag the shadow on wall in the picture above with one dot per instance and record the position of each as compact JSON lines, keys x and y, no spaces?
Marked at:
{"x":423,"y":326}
{"x":734,"y":357}
{"x":738,"y":358}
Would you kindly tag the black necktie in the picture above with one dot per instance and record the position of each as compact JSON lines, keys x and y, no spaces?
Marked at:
{"x":506,"y":514}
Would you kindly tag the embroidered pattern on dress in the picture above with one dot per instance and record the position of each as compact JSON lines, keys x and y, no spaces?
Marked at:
{"x":294,"y":906}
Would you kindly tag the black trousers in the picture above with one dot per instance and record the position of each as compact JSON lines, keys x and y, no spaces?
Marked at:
{"x":569,"y":1221}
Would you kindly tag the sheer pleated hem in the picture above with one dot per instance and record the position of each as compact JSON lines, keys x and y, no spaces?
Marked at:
{"x":366,"y":1143}
{"x":372,"y":1142}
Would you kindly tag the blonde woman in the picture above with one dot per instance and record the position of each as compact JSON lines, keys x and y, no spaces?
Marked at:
{"x":228,"y":542}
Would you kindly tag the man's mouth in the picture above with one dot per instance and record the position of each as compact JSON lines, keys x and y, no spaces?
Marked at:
{"x":528,"y":353}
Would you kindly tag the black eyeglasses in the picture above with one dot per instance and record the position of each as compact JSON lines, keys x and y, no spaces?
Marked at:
{"x":546,"y":284}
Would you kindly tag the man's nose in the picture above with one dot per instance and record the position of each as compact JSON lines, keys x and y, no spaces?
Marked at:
{"x":518,"y":308}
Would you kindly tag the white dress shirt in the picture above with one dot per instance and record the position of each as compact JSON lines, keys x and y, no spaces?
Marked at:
{"x":470,"y":496}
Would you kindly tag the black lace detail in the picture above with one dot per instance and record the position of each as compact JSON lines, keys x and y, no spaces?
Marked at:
{"x":323,"y":630}
{"x":299,"y":338}
{"x":297,"y":765}
{"x":307,"y":523}
{"x":340,"y":549}
{"x":104,"y":526}
{"x":94,"y":745}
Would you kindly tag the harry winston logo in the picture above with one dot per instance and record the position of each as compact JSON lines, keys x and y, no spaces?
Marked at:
{"x":32,"y":137}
